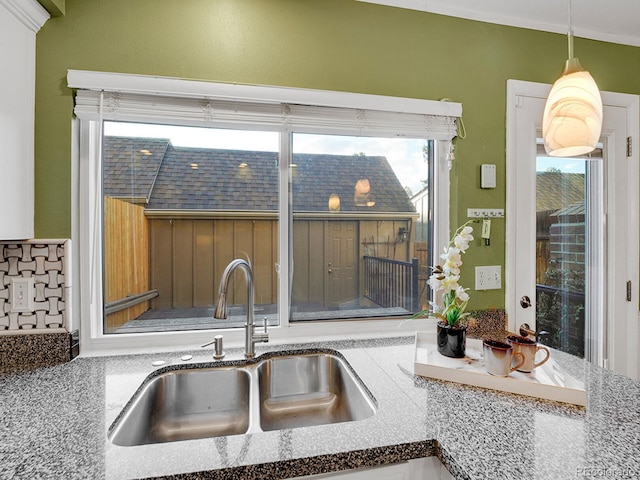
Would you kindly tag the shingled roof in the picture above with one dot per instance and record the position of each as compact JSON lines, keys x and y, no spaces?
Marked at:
{"x":130,"y":166}
{"x":178,"y":178}
{"x":555,"y":190}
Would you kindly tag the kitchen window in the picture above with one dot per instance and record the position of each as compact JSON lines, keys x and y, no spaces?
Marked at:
{"x":300,"y":183}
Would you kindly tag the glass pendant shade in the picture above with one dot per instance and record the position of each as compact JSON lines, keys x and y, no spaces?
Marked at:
{"x":572,"y":119}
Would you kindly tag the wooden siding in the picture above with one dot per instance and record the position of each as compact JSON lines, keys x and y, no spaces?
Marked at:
{"x":373,"y":237}
{"x":126,"y":257}
{"x":188,"y":257}
{"x":308,"y":262}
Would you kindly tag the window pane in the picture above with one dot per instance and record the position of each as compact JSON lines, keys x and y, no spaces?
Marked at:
{"x":355,"y":250}
{"x":179,"y":204}
{"x":565,"y":204}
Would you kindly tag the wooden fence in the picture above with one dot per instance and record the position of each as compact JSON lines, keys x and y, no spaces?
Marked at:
{"x":176,"y":263}
{"x":188,"y":257}
{"x":126,"y":258}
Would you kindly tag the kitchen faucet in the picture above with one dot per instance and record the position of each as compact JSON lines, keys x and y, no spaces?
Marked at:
{"x":251,"y":337}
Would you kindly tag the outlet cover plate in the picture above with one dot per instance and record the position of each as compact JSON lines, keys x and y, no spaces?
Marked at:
{"x":488,"y":277}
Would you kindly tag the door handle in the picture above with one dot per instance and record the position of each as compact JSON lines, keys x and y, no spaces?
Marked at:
{"x":329,"y":267}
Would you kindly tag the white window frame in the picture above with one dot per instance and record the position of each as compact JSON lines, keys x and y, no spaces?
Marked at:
{"x":101,"y":101}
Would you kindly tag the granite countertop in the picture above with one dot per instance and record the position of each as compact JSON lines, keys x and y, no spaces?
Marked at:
{"x":54,"y":423}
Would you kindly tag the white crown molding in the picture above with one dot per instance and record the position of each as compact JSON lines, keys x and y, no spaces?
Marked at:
{"x":490,"y":15}
{"x":29,"y":12}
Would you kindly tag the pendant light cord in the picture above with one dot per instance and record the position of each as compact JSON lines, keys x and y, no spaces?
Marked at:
{"x":572,"y":64}
{"x":570,"y":35}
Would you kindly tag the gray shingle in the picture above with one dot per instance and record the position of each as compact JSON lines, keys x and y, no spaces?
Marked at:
{"x":130,"y":165}
{"x":247,"y":180}
{"x":557,"y":189}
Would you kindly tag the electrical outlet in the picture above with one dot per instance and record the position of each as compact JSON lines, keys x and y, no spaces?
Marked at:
{"x":22,"y":294}
{"x":488,"y":278}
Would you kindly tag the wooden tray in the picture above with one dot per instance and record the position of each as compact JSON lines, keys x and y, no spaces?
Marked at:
{"x":549,"y":381}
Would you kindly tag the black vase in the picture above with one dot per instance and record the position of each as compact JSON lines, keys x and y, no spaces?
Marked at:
{"x":452,"y":341}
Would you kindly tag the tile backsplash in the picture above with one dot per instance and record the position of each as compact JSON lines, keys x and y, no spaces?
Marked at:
{"x":47,"y":262}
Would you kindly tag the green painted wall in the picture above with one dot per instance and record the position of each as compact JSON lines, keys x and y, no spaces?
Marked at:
{"x":340,"y":45}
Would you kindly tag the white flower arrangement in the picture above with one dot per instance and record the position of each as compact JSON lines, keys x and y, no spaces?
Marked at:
{"x":445,"y":279}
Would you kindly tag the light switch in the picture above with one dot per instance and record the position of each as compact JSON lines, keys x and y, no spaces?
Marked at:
{"x":487,"y":175}
{"x":22,"y":294}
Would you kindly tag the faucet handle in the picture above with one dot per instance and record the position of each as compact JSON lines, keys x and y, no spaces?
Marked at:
{"x":260,"y":336}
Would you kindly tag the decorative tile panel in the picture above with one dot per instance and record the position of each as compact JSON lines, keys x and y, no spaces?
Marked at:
{"x":47,"y":262}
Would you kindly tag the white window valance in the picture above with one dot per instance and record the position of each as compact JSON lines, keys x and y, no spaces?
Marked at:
{"x":137,"y":98}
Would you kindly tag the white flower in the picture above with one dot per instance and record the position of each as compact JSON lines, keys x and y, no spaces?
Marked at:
{"x":445,"y":278}
{"x":452,"y":261}
{"x":435,"y":281}
{"x":462,"y":294}
{"x":461,"y":241}
{"x":450,"y":282}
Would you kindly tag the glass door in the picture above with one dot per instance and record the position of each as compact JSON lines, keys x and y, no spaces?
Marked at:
{"x":569,"y":242}
{"x":572,"y":234}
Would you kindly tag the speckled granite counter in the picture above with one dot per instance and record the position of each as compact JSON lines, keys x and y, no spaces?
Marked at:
{"x":53,"y":424}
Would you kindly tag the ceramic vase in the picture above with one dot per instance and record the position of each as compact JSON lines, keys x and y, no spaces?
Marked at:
{"x":452,"y":341}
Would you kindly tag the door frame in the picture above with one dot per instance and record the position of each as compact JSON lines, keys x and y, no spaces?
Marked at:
{"x":629,"y":362}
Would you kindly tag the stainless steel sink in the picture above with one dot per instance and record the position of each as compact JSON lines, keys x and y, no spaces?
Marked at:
{"x":312,"y":389}
{"x":186,"y":405}
{"x":275,"y":391}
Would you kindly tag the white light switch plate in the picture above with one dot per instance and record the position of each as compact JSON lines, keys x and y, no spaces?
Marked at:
{"x":22,"y":294}
{"x":487,"y":175}
{"x":488,"y":278}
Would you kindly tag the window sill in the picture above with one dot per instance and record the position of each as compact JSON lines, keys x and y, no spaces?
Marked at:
{"x":126,"y":344}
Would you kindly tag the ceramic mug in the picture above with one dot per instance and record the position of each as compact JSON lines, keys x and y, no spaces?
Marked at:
{"x":528,"y":348}
{"x":498,"y":357}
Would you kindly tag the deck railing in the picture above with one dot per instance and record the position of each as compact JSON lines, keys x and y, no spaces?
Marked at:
{"x":391,"y":283}
{"x":560,"y":314}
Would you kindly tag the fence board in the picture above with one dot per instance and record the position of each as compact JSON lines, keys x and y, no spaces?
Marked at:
{"x":204,"y":292}
{"x":301,"y":260}
{"x":161,"y":243}
{"x":264,"y":261}
{"x":182,"y":263}
{"x":126,"y":257}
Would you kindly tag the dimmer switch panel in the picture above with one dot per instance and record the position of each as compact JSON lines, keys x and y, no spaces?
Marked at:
{"x":488,"y":175}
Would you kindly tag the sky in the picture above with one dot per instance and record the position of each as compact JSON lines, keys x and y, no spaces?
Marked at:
{"x":566,"y":165}
{"x":404,"y":155}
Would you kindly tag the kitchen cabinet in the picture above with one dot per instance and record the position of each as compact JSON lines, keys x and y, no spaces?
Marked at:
{"x":417,"y":469}
{"x":20,"y":20}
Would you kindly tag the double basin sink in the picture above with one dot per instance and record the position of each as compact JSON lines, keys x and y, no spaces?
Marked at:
{"x":272,"y":392}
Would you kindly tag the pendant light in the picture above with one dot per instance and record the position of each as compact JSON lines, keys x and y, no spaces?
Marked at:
{"x":572,"y":119}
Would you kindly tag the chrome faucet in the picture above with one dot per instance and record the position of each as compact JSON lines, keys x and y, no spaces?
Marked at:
{"x":251,"y":337}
